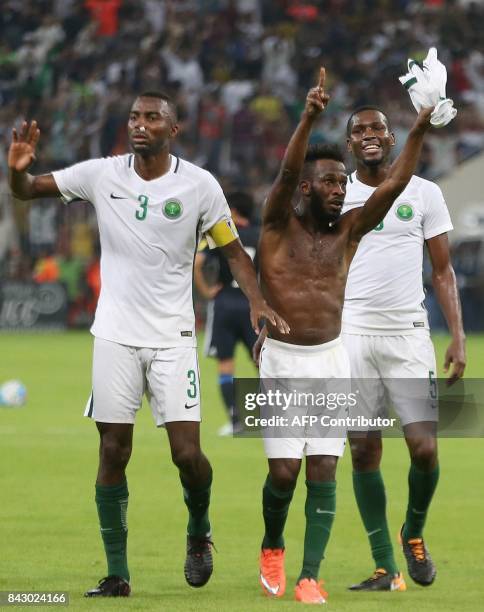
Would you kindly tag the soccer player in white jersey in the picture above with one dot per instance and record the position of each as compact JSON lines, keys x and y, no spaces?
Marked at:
{"x":152,"y":208}
{"x":386,"y":333}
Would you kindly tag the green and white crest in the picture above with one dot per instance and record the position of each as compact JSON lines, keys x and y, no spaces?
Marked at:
{"x":379,"y":227}
{"x":405,"y":212}
{"x":172,"y":208}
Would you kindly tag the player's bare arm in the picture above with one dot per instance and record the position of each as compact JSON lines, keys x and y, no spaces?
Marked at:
{"x":445,"y":286}
{"x":243,"y":271}
{"x":364,"y":219}
{"x":21,"y":155}
{"x":278,"y":206}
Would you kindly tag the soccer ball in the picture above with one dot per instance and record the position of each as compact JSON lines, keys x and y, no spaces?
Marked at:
{"x":13,"y":393}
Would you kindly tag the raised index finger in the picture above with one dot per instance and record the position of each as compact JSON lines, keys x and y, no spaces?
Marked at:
{"x":322,"y":76}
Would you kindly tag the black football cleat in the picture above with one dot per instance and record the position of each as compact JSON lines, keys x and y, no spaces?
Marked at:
{"x":111,"y":586}
{"x":381,"y":580}
{"x":421,"y":568}
{"x":199,"y":562}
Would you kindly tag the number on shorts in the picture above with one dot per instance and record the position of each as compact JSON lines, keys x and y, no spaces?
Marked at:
{"x":192,"y":389}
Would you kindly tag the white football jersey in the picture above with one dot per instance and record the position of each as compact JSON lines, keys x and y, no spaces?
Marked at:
{"x":149,"y":233}
{"x":384,"y":292}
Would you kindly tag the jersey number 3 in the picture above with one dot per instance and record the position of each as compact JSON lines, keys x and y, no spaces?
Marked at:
{"x":192,"y":379}
{"x":143,"y":208}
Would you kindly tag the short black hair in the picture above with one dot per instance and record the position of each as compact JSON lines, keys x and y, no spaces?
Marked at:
{"x":360,"y":109}
{"x":320,"y":151}
{"x":324,"y":151}
{"x":161,"y":95}
{"x":242,"y":202}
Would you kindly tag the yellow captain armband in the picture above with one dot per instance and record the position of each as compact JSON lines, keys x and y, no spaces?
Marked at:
{"x":222,"y":233}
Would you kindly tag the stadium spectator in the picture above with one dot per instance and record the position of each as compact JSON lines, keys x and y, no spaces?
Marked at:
{"x":46,"y":269}
{"x":105,"y":14}
{"x":210,"y":129}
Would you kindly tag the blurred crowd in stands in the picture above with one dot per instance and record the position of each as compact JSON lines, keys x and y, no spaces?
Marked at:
{"x":238,"y":71}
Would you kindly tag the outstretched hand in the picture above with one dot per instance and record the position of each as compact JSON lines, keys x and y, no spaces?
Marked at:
{"x":21,"y":153}
{"x":317,"y":99}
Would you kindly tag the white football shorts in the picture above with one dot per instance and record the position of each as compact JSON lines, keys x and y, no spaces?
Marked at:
{"x":327,"y":363}
{"x":122,"y":374}
{"x":394,"y":371}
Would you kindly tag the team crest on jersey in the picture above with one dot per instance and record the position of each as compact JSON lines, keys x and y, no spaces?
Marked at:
{"x":405,"y":212}
{"x":379,"y":227}
{"x":172,"y":208}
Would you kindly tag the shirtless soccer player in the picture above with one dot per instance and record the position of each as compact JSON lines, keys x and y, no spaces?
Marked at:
{"x":152,"y":208}
{"x":305,"y":253}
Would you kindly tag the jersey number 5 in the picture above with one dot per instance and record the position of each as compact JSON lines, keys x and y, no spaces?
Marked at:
{"x":143,"y":209}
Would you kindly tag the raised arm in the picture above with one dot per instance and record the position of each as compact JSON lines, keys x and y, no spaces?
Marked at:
{"x":21,"y":154}
{"x":242,"y":268}
{"x":277,"y":208}
{"x":364,"y":219}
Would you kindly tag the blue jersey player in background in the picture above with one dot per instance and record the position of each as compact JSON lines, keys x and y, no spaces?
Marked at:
{"x":228,"y":314}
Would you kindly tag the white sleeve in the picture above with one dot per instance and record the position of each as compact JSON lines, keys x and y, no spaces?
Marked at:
{"x":78,"y":182}
{"x":350,"y":205}
{"x":436,"y":219}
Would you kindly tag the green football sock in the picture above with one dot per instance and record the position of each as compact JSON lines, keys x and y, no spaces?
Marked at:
{"x":112,"y":506}
{"x":197,"y":500}
{"x":320,"y":509}
{"x":371,"y":500}
{"x":275,"y":506}
{"x":421,"y":486}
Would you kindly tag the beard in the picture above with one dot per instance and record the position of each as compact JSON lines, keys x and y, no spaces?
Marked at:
{"x":320,"y":214}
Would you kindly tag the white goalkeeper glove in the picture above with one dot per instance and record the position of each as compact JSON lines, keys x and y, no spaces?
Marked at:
{"x":427,"y":88}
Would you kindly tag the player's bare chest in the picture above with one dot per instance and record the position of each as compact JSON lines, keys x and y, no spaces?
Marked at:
{"x":314,"y":253}
{"x":315,"y":249}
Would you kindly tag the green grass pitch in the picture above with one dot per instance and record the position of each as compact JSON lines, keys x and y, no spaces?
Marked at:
{"x":49,"y":538}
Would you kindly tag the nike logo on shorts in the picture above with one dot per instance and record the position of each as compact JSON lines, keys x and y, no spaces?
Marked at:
{"x":192,"y":406}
